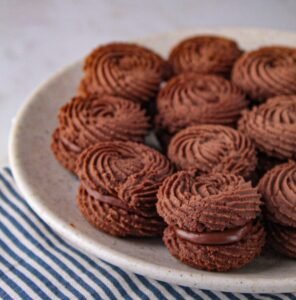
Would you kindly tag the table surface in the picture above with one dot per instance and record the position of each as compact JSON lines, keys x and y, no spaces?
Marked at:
{"x":39,"y":37}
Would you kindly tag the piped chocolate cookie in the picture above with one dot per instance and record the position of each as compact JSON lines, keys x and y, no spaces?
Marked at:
{"x":213,"y":148}
{"x":282,"y":239}
{"x":125,"y":70}
{"x":266,"y":72}
{"x":212,"y":220}
{"x":119,"y":182}
{"x":205,"y":54}
{"x":272,"y":126}
{"x":191,"y":99}
{"x":278,"y":189}
{"x":85,"y":121}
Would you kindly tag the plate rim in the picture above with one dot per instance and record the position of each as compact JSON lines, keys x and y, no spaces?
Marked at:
{"x":127,"y":262}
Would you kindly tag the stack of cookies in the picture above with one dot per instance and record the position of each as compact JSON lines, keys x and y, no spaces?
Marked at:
{"x":213,"y":220}
{"x":278,"y":188}
{"x":226,"y":123}
{"x":119,"y":182}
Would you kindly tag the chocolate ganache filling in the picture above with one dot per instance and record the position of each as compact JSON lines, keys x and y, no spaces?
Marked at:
{"x":215,"y":238}
{"x":129,"y":171}
{"x":106,"y":198}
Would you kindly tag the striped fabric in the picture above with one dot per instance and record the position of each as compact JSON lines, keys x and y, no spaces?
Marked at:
{"x":35,"y":263}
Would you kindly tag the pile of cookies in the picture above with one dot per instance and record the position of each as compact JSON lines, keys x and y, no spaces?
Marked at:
{"x":224,"y":177}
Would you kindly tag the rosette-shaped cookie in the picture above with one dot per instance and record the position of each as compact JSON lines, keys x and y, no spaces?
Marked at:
{"x":190,"y":99}
{"x":205,"y":55}
{"x":282,"y":239}
{"x":212,"y":219}
{"x":96,"y":118}
{"x":213,"y":148}
{"x":211,"y":202}
{"x":266,"y":72}
{"x":278,"y":189}
{"x":272,"y":126}
{"x":114,"y":217}
{"x":119,"y":182}
{"x":126,"y":70}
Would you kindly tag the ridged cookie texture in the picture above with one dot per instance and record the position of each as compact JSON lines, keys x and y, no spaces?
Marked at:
{"x":278,"y":189}
{"x":124,"y":69}
{"x":66,"y":157}
{"x":216,"y":258}
{"x":117,"y":221}
{"x":191,"y":99}
{"x":205,"y":54}
{"x":266,"y":72}
{"x":212,"y":202}
{"x":213,"y":220}
{"x":128,"y":172}
{"x":213,"y":148}
{"x":85,"y":121}
{"x":272,"y":126}
{"x":282,"y":239}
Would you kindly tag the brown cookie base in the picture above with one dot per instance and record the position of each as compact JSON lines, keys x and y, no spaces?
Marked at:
{"x":220,"y":258}
{"x":66,"y":157}
{"x":82,"y":90}
{"x":117,"y":221}
{"x":277,"y":188}
{"x":282,"y":239}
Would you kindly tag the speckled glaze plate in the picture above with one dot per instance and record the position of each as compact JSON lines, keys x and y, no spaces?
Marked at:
{"x":50,"y":190}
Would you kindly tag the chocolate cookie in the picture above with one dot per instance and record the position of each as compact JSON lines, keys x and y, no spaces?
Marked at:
{"x":205,"y":55}
{"x":191,"y":99}
{"x":96,"y":118}
{"x":212,"y":202}
{"x":126,"y":70}
{"x":220,"y":258}
{"x":213,"y":148}
{"x":278,"y":189}
{"x":212,"y":220}
{"x":266,"y":72}
{"x":64,"y":153}
{"x":114,"y":217}
{"x":272,"y":126}
{"x":123,"y":179}
{"x":282,"y":239}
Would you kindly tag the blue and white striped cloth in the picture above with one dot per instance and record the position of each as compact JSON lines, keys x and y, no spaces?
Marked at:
{"x":35,"y":263}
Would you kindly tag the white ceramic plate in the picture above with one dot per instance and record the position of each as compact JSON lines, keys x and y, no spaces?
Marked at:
{"x":50,"y":189}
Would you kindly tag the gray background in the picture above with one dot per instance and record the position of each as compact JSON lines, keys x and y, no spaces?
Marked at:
{"x":38,"y":37}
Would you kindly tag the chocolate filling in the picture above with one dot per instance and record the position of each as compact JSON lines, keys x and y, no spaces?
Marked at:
{"x":119,"y":203}
{"x":215,"y":238}
{"x":106,"y":199}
